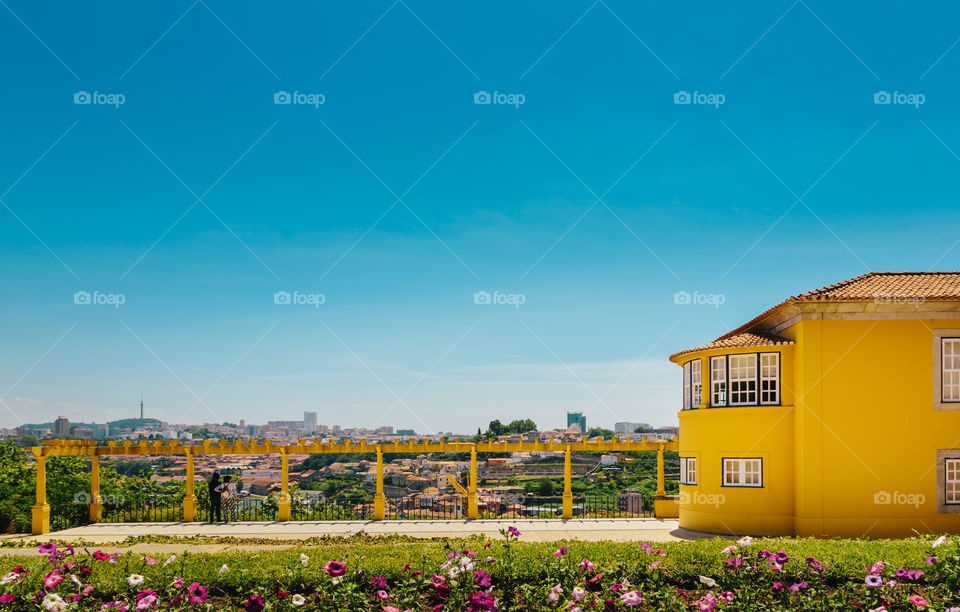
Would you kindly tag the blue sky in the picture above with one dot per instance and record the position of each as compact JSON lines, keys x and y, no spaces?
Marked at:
{"x":398,"y":198}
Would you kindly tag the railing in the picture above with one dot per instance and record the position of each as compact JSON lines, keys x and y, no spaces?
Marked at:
{"x":64,"y":515}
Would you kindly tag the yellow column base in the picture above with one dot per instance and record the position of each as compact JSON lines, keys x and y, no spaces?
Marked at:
{"x":473,"y":508}
{"x":666,"y":506}
{"x":190,"y":508}
{"x":96,"y":511}
{"x":284,"y":507}
{"x":379,"y":507}
{"x":568,"y":505}
{"x":41,"y":519}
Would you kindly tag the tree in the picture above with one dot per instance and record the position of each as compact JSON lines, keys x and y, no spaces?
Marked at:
{"x":599,"y":431}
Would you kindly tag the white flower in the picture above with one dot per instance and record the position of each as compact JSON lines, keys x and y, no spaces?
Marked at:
{"x":579,"y":593}
{"x":54,"y":602}
{"x":134,"y":580}
{"x":75,"y":579}
{"x":304,"y":560}
{"x":336,"y":580}
{"x":170,"y":560}
{"x":223,"y":570}
{"x":8,"y":578}
{"x":298,"y":600}
{"x":710,"y":582}
{"x":745,"y":541}
{"x":939,"y":541}
{"x":454,"y":572}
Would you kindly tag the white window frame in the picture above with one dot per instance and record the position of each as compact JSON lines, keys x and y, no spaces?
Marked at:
{"x":688,"y":466}
{"x":951,"y":482}
{"x":950,"y":370}
{"x":769,"y":383}
{"x":696,"y":383}
{"x":742,"y":472}
{"x":749,"y":365}
{"x":718,"y":381}
{"x":686,"y":386}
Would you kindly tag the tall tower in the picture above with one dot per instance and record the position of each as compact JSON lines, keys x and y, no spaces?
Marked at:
{"x":141,"y":406}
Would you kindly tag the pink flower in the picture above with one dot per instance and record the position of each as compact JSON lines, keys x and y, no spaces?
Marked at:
{"x":150,"y":560}
{"x":563,"y":550}
{"x":655,"y":564}
{"x":918,"y":601}
{"x":196,"y":593}
{"x":51,"y":580}
{"x":707,"y":603}
{"x":178,"y":582}
{"x":147,"y":602}
{"x":729,"y":549}
{"x":382,"y":595}
{"x":726,"y":596}
{"x":481,"y":579}
{"x":513,"y":531}
{"x":586,"y":566}
{"x":776,"y":586}
{"x":101,"y":556}
{"x":632,"y":598}
{"x":335,"y":568}
{"x":773,"y":565}
{"x":876,"y":569}
{"x":390,"y":609}
{"x":555,"y":593}
{"x":114,"y":606}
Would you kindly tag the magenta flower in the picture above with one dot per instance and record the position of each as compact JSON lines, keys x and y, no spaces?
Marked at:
{"x":255,"y":603}
{"x":797,"y":586}
{"x":335,"y":568}
{"x":513,"y":531}
{"x":7,"y":598}
{"x":101,"y":556}
{"x":563,"y":550}
{"x":379,"y":582}
{"x":813,"y":565}
{"x":51,"y":580}
{"x":481,"y":579}
{"x":47,"y":549}
{"x":918,"y":601}
{"x":932,"y":560}
{"x":734,"y":562}
{"x":586,"y":566}
{"x":114,"y":606}
{"x":781,"y":557}
{"x":196,"y":593}
{"x":481,"y":602}
{"x":777,"y":586}
{"x":876,"y":569}
{"x":382,"y":595}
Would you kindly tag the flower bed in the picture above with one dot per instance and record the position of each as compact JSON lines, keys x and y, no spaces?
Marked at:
{"x":480,"y":576}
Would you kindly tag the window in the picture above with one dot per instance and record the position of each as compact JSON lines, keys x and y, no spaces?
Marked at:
{"x":686,"y":386}
{"x":743,"y":472}
{"x":950,"y":370}
{"x":743,"y":379}
{"x":695,"y":383}
{"x":770,"y":378}
{"x":951,"y":468}
{"x":688,"y":470}
{"x":718,"y":380}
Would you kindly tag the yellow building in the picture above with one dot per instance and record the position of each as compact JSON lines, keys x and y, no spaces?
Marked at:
{"x":834,"y":413}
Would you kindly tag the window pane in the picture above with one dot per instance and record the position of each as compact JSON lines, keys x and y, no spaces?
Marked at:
{"x":950,"y":369}
{"x":743,"y":379}
{"x":952,"y":477}
{"x":718,"y":381}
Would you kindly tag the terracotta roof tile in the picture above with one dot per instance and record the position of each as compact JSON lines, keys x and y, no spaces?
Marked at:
{"x":925,"y":286}
{"x":745,"y":339}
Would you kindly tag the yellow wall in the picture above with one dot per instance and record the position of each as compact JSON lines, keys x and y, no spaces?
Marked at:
{"x":852,"y":452}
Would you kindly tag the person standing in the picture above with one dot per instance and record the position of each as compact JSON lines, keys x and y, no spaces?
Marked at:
{"x":228,"y":493}
{"x":215,"y":497}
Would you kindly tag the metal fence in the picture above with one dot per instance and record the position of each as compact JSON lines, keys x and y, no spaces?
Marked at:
{"x":439,"y":507}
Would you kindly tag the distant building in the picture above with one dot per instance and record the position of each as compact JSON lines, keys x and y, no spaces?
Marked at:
{"x":406,"y":432}
{"x":578,"y":419}
{"x":310,"y":422}
{"x":627,"y":427}
{"x":61,"y":427}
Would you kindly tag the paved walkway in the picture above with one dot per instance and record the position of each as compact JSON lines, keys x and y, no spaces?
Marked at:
{"x":536,"y":530}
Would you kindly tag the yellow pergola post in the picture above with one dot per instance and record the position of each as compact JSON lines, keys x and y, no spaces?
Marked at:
{"x":379,"y":499}
{"x":661,"y":489}
{"x":190,"y":498}
{"x":473,"y":509}
{"x":96,"y":501}
{"x":567,"y":485}
{"x":41,"y":509}
{"x":284,"y":503}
